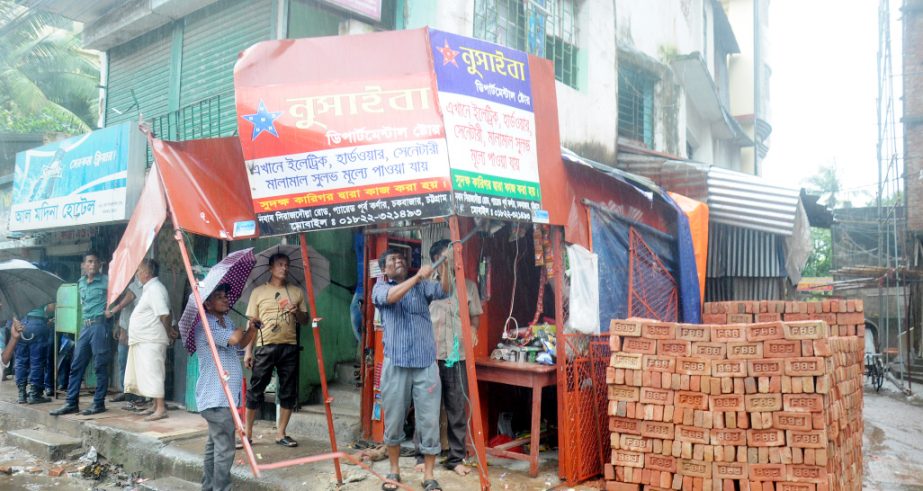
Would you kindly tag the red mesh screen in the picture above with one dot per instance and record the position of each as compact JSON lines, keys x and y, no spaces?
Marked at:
{"x":652,"y":292}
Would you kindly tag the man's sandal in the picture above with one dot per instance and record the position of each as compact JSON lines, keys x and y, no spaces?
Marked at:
{"x":431,"y":485}
{"x":389,"y":486}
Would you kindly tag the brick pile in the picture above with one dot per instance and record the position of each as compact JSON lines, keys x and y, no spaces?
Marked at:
{"x":771,"y":406}
{"x":844,"y":317}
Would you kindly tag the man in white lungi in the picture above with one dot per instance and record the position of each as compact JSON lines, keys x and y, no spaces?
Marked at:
{"x":151,"y":332}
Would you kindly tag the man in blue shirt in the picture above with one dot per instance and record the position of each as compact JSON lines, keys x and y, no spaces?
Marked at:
{"x":94,"y":339}
{"x":409,"y":371}
{"x":209,"y":395}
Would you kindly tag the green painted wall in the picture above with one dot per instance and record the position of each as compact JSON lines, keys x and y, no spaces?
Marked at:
{"x":139,"y":77}
{"x":305,"y":20}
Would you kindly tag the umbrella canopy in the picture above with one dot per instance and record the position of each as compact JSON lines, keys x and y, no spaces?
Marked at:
{"x":233,"y":270}
{"x":320,"y":268}
{"x":24,"y":287}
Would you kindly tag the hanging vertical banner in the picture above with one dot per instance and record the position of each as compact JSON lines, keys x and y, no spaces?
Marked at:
{"x":341,"y":131}
{"x":486,"y":100}
{"x":87,"y":179}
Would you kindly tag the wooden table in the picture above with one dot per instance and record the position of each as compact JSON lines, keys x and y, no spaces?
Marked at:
{"x":530,"y":375}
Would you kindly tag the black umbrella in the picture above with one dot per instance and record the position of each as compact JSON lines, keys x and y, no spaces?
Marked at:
{"x":320,"y":269}
{"x":24,"y":287}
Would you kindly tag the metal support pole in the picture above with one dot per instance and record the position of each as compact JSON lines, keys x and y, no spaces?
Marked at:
{"x":315,"y":320}
{"x":461,"y":291}
{"x":564,"y":460}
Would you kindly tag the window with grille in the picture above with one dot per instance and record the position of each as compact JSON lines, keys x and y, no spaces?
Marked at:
{"x":636,"y":105}
{"x":545,"y":28}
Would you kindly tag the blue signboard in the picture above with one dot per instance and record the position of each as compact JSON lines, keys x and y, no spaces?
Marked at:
{"x":485,"y":94}
{"x":86,"y":179}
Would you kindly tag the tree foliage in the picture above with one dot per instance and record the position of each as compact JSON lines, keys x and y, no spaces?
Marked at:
{"x":820,"y":260}
{"x":48,"y":82}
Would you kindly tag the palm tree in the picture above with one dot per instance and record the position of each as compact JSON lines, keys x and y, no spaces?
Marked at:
{"x":46,"y":77}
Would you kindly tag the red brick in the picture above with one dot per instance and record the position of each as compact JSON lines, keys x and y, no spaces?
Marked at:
{"x":693,"y":468}
{"x":729,"y":470}
{"x":695,"y":332}
{"x":635,"y":443}
{"x":745,"y":350}
{"x":619,"y":424}
{"x":804,"y":330}
{"x":740,"y":318}
{"x":764,"y":331}
{"x":693,"y":366}
{"x":829,"y":318}
{"x":662,"y":463}
{"x":623,"y":327}
{"x":729,"y":368}
{"x":692,"y":434}
{"x":804,"y":366}
{"x":712,"y":351}
{"x":674,"y":347}
{"x":763,"y":402}
{"x":806,"y":438}
{"x":657,"y":429}
{"x":715,"y":318}
{"x":658,"y":330}
{"x":693,"y":400}
{"x":656,"y":396}
{"x":623,"y":393}
{"x":56,"y":472}
{"x":657,"y":363}
{"x":639,"y":345}
{"x":734,"y":437}
{"x":860,"y":306}
{"x":615,"y":343}
{"x":766,"y":367}
{"x":727,"y":333}
{"x":608,"y":472}
{"x":768,"y":317}
{"x":781,"y":348}
{"x":727,"y":402}
{"x":797,"y":316}
{"x":805,"y":473}
{"x":627,"y":459}
{"x":850,"y":318}
{"x":803,"y":403}
{"x":631,"y":361}
{"x":786,"y":420}
{"x":622,"y":486}
{"x":795,"y":486}
{"x":767,"y":472}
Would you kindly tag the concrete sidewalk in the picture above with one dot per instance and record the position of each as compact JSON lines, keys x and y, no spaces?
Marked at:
{"x":174,"y":447}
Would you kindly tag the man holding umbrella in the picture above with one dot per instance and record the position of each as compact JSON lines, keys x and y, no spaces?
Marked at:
{"x":278,"y":306}
{"x":94,"y":339}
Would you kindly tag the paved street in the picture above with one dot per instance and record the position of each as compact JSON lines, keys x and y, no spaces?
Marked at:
{"x":893,"y":444}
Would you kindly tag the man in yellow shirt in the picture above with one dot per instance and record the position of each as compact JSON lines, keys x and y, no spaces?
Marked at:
{"x":278,"y":306}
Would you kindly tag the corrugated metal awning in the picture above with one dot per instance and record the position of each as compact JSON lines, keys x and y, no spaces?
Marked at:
{"x":733,"y":198}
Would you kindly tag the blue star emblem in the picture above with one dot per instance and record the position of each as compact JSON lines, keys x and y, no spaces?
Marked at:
{"x":263,"y":120}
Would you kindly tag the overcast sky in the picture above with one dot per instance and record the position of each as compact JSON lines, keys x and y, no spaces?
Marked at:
{"x":823,"y":91}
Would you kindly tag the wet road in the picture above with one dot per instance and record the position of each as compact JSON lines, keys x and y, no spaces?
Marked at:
{"x":893,"y":440}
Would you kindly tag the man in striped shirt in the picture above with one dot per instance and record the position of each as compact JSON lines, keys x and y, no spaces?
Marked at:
{"x":409,"y":371}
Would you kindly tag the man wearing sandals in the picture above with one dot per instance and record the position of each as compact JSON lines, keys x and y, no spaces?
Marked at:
{"x":409,"y":371}
{"x":151,"y":333}
{"x":278,"y":306}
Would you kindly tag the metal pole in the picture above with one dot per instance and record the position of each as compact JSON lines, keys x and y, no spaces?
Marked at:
{"x":565,"y":461}
{"x":461,"y":291}
{"x":318,"y":349}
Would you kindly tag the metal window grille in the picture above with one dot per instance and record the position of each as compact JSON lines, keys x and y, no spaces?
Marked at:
{"x":200,"y":119}
{"x":546,"y":28}
{"x":636,"y":105}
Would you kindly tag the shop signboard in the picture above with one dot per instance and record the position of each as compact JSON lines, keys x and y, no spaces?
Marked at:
{"x":88,"y":179}
{"x":341,"y":131}
{"x":486,"y":101}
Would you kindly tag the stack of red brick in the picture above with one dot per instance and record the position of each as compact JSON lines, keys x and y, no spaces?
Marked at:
{"x":844,"y":317}
{"x":765,"y":406}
